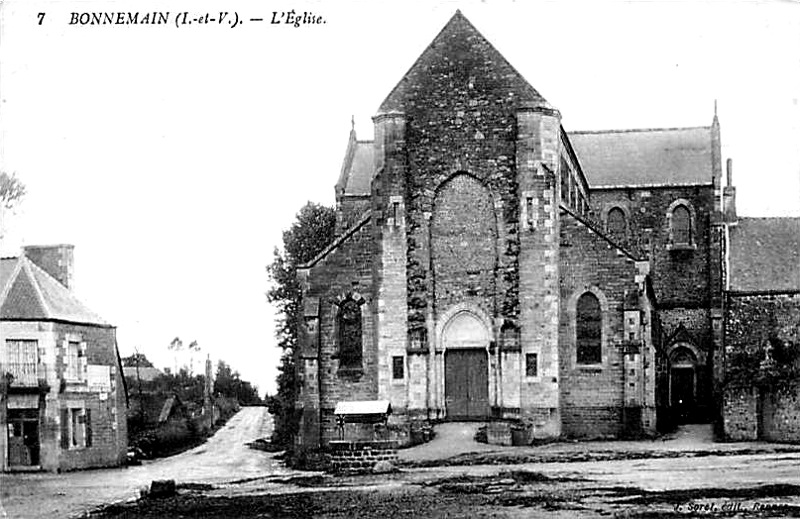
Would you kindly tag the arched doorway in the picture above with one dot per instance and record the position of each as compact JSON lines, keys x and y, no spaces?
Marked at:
{"x":683,"y":384}
{"x":466,"y":367}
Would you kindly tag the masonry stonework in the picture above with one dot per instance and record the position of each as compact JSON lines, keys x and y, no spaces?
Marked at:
{"x":470,"y":227}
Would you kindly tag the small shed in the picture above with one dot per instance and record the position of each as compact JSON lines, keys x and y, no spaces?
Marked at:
{"x":369,"y":417}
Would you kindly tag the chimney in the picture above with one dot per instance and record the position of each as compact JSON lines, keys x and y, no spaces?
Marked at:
{"x":56,"y":260}
{"x":729,"y":195}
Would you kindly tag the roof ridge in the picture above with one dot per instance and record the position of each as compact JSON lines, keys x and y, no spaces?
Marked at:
{"x":10,"y":281}
{"x":29,"y":265}
{"x":639,"y":130}
{"x":338,"y":240}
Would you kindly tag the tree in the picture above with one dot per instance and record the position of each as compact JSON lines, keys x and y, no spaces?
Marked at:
{"x":137,"y":359}
{"x":312,"y":231}
{"x":228,"y":383}
{"x":11,"y":190}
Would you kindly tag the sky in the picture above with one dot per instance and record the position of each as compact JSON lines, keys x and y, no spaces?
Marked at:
{"x":173,"y":157}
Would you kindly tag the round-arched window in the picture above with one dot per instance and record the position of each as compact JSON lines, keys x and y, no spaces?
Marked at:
{"x":588,"y":327}
{"x":616,"y":224}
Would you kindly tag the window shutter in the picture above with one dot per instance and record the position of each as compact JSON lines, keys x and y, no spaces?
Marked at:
{"x":88,"y":427}
{"x":65,"y":428}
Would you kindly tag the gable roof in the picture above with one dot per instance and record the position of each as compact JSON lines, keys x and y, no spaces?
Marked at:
{"x":27,"y":292}
{"x":460,"y":48}
{"x":765,"y":255}
{"x":645,"y":157}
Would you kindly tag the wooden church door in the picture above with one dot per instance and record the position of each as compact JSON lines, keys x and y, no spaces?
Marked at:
{"x":466,"y":383}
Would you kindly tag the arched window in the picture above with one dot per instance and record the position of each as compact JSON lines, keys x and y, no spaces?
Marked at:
{"x":349,"y":327}
{"x":616,"y":224}
{"x":588,"y":327}
{"x":681,"y":226}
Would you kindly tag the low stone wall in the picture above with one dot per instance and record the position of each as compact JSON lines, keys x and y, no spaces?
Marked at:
{"x":360,"y":456}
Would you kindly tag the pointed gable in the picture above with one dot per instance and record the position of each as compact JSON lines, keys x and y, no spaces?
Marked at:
{"x":467,"y":60}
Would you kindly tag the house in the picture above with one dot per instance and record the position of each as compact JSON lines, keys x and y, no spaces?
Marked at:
{"x":491,"y":265}
{"x":62,"y":396}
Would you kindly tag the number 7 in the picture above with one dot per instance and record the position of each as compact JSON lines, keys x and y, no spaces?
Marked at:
{"x":41,"y":18}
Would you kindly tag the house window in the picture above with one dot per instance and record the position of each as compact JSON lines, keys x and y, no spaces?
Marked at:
{"x":23,"y":360}
{"x":349,"y":321}
{"x":531,"y":364}
{"x":681,"y":226}
{"x":76,"y":428}
{"x":75,"y":361}
{"x":398,"y":368}
{"x":588,"y":329}
{"x":616,"y":224}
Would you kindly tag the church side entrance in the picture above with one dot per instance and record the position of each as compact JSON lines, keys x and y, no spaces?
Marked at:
{"x":466,"y":383}
{"x":683,"y":385}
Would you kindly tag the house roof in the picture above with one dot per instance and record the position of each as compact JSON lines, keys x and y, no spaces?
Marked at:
{"x":27,"y":292}
{"x":146,"y":374}
{"x":460,"y":52}
{"x":645,"y":157}
{"x":765,"y":255}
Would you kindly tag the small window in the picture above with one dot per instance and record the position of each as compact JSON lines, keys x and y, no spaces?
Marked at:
{"x":616,"y":224}
{"x":529,"y":211}
{"x":531,"y":365}
{"x":588,"y":330}
{"x":398,"y":368}
{"x":349,"y":324}
{"x":681,"y":226}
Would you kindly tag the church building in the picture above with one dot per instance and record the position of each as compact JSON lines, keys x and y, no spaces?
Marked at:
{"x":491,"y":265}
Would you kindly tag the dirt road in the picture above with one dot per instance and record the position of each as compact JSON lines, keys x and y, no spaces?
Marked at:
{"x":223,"y":458}
{"x":764,"y":485}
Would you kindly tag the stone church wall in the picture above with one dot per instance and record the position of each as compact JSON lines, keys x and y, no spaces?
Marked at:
{"x":346,"y":269}
{"x":592,"y":395}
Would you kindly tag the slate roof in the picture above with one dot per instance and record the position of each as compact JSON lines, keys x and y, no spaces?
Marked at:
{"x":28,"y":292}
{"x":357,"y":168}
{"x":645,"y":157}
{"x":765,"y":255}
{"x":458,"y":47}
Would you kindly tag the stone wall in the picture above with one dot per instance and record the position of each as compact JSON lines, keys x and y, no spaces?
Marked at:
{"x":754,"y":409}
{"x":360,"y":456}
{"x":592,"y":395}
{"x":108,"y":410}
{"x":345,"y":271}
